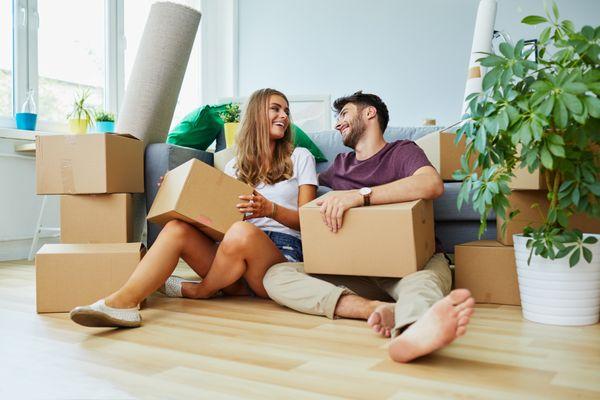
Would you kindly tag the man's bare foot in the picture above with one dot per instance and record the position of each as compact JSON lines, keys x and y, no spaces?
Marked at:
{"x":382,"y":319}
{"x":445,"y":321}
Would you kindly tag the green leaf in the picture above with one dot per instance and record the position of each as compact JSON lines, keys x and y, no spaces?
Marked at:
{"x":492,"y":61}
{"x":480,"y":139}
{"x":575,"y":87}
{"x":541,"y":86}
{"x":568,"y":25}
{"x":574,"y":259}
{"x":593,"y":106}
{"x":573,"y":103}
{"x":590,"y":240}
{"x":546,"y":158}
{"x":519,"y":48}
{"x":537,"y":130}
{"x":595,"y":188}
{"x":575,"y":196}
{"x":557,"y":150}
{"x":533,"y":20}
{"x":587,"y":254}
{"x":545,"y":35}
{"x":546,"y":107}
{"x":560,"y":113}
{"x":507,"y":50}
{"x":555,"y":10}
{"x":588,"y":32}
{"x":490,"y":78}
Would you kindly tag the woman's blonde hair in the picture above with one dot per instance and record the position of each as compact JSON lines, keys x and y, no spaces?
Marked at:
{"x":254,"y":163}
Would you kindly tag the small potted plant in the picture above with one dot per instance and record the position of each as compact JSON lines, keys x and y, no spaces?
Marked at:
{"x":231,"y":119}
{"x":105,"y":122}
{"x":543,"y":115}
{"x":82,"y":115}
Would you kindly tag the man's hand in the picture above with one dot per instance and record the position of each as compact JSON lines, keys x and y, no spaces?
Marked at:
{"x":335,"y":204}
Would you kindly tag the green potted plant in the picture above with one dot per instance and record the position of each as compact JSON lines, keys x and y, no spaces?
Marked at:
{"x":82,"y":115}
{"x":231,"y":119}
{"x":545,"y":116}
{"x":105,"y":122}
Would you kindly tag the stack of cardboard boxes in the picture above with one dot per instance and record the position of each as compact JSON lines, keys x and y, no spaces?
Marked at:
{"x":95,"y":175}
{"x":488,"y":268}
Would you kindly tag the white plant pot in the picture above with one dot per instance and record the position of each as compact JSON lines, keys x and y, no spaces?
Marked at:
{"x":552,"y":293}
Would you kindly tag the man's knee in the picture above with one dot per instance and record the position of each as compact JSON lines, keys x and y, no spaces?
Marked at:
{"x":281,"y":274}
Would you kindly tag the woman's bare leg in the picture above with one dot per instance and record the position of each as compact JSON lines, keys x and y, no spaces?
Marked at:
{"x":177,"y":239}
{"x":246,"y":252}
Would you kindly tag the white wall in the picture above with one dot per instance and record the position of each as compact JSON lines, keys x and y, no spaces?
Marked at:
{"x":19,"y":205}
{"x":414,"y":54}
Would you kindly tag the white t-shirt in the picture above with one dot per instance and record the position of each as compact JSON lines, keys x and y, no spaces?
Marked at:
{"x":284,"y":193}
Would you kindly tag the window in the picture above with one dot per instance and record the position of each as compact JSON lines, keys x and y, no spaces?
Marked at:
{"x":56,"y":47}
{"x":71,"y":56}
{"x":136,"y":14}
{"x":6,"y":58}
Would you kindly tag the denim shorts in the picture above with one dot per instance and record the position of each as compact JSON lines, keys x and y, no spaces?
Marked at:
{"x":290,"y":246}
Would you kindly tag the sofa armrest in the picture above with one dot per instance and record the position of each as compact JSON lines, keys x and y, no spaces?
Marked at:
{"x":160,"y":158}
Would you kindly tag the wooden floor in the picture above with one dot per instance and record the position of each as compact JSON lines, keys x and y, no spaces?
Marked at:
{"x":248,"y":348}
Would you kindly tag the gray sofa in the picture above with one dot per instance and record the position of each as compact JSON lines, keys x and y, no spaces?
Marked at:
{"x":452,"y":226}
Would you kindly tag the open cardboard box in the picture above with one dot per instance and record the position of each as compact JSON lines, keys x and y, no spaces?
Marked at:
{"x":71,"y":275}
{"x":391,"y":240}
{"x":442,"y":152}
{"x":201,"y":195}
{"x":90,"y":163}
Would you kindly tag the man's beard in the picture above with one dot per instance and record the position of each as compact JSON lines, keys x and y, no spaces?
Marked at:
{"x":357,"y":130}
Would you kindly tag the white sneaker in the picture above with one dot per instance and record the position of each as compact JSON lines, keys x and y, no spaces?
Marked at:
{"x":101,"y":315}
{"x":172,"y":286}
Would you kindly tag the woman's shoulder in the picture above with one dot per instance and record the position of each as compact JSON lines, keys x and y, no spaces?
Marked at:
{"x":300,"y":153}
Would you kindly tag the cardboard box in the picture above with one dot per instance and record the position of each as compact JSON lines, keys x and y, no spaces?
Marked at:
{"x":391,"y":240}
{"x":71,"y":275}
{"x":96,"y":218}
{"x":441,"y":151}
{"x":222,"y":157}
{"x":488,"y":270}
{"x":201,"y":195}
{"x":90,"y":163}
{"x":523,"y":200}
{"x":524,"y":180}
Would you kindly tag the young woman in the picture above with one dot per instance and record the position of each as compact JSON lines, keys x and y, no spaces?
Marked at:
{"x":284,"y":179}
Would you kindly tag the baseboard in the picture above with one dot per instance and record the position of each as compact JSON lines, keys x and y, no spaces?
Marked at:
{"x":18,"y":249}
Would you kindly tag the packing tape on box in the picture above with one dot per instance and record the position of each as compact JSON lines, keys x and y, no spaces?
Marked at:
{"x":66,"y":175}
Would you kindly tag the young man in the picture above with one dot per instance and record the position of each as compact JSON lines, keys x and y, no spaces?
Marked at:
{"x":426,"y":315}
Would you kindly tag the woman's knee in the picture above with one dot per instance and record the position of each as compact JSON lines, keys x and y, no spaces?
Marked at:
{"x":239,"y":237}
{"x":176,"y":229}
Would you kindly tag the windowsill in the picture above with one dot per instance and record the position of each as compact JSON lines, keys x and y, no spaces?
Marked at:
{"x":19,"y":134}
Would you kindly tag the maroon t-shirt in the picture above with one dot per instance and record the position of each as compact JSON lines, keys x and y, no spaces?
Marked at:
{"x":395,"y":161}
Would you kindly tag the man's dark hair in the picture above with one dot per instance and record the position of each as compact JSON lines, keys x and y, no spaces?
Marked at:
{"x":362,"y":100}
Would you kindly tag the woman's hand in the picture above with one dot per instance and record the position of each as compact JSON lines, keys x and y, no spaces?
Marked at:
{"x":255,"y":206}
